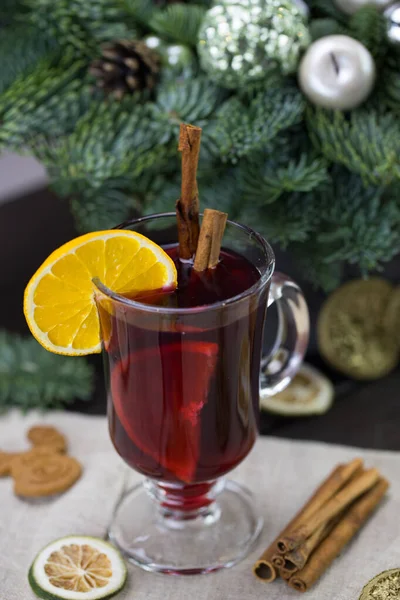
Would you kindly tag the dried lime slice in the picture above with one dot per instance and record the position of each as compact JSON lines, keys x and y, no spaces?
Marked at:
{"x":385,"y":586}
{"x":310,"y":393}
{"x":77,"y":567}
{"x":352,"y":335}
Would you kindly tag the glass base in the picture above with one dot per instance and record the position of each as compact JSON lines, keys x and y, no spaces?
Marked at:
{"x":165,"y":540}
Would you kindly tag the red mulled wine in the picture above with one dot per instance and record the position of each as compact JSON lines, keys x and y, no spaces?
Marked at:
{"x":184,"y":386}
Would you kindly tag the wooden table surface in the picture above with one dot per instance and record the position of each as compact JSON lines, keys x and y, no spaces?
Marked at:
{"x":366,"y":415}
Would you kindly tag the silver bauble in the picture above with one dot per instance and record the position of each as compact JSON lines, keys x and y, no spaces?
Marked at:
{"x":241,"y":40}
{"x":337,"y":72}
{"x":392,"y":15}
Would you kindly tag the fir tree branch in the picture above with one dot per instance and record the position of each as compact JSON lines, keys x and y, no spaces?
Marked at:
{"x":366,"y":142}
{"x":292,"y":218}
{"x":81,"y":24}
{"x":22,"y":47}
{"x":388,"y":89}
{"x":264,"y":183}
{"x":321,"y":27}
{"x":191,"y":101}
{"x":179,"y":22}
{"x":368,"y":26}
{"x":359,"y":225}
{"x":239,"y":130}
{"x":218,"y":190}
{"x":11,"y":12}
{"x":47,"y":101}
{"x":327,"y":8}
{"x":313,"y":260}
{"x":111,"y":141}
{"x":95,"y":209}
{"x":139,"y":11}
{"x":31,"y":377}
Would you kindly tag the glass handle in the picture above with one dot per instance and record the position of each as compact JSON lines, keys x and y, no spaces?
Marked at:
{"x":282,"y":363}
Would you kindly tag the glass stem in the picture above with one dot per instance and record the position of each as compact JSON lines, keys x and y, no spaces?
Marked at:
{"x":180,"y":502}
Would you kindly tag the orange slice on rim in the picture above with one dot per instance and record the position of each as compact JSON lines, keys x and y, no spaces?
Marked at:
{"x":59,"y":304}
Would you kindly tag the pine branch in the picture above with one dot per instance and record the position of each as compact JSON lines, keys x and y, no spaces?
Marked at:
{"x":31,"y":377}
{"x":21,"y":47}
{"x":179,"y":22}
{"x":292,"y":218}
{"x":218,"y":190}
{"x":365,"y":142}
{"x":327,"y":8}
{"x":81,"y":24}
{"x":140,"y":11}
{"x":368,"y":26}
{"x":112,"y":141}
{"x":47,"y":101}
{"x":239,"y":130}
{"x":264,"y":183}
{"x":321,"y":27}
{"x":389,"y":84}
{"x":313,"y":260}
{"x":95,"y":209}
{"x":192,"y":101}
{"x":11,"y":11}
{"x":359,"y":225}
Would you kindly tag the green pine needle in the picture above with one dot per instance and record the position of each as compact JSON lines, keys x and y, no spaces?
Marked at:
{"x":240,"y":130}
{"x":111,"y":141}
{"x":389,"y":88}
{"x":95,"y":209}
{"x":23,"y":48}
{"x":366,"y":142}
{"x":140,"y":11}
{"x":190,"y":101}
{"x":81,"y":24}
{"x":368,"y":26}
{"x":179,"y":22}
{"x":31,"y":377}
{"x":265,"y":183}
{"x":359,"y":225}
{"x":45,"y":102}
{"x":292,"y":218}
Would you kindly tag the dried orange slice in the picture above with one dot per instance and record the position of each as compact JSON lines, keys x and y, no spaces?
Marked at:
{"x":77,"y":567}
{"x":59,"y":303}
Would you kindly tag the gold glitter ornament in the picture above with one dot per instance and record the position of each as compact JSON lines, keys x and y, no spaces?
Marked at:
{"x":351,"y":330}
{"x":385,"y":586}
{"x":242,"y":40}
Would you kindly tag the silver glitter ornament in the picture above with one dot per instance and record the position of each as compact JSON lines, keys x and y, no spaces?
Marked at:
{"x":240,"y":40}
{"x":392,"y":15}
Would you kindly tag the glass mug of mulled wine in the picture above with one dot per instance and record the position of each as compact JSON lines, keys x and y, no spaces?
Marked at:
{"x":184,"y":370}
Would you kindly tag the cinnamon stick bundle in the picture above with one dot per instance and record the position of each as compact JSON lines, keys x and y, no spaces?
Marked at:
{"x":265,"y":568}
{"x":340,"y":535}
{"x":187,"y":207}
{"x":320,"y":530}
{"x":333,"y":507}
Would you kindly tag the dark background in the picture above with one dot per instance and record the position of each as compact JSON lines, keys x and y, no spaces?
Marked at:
{"x":366,"y":415}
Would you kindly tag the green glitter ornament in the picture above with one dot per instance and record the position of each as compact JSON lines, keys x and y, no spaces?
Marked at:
{"x":242,"y":40}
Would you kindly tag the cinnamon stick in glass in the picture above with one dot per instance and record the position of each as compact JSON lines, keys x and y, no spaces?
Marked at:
{"x":341,"y":534}
{"x":210,"y":239}
{"x":264,"y":569}
{"x":299,"y":534}
{"x":187,"y":207}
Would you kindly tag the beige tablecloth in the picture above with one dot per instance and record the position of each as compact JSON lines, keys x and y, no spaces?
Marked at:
{"x":282,"y":473}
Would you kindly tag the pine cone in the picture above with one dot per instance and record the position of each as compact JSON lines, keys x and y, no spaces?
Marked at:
{"x":126,"y":66}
